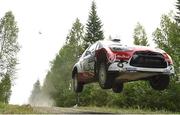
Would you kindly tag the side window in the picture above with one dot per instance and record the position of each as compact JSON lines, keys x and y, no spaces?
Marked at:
{"x":91,"y":49}
{"x":99,"y":46}
{"x":85,"y":52}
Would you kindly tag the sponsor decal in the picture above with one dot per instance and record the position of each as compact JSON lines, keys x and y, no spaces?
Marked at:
{"x":122,"y":56}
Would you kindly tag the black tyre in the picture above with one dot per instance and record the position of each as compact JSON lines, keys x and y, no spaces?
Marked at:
{"x":105,"y":80}
{"x":78,"y":87}
{"x":159,"y":82}
{"x":117,"y":87}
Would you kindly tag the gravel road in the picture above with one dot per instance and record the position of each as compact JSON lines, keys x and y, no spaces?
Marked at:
{"x":62,"y":110}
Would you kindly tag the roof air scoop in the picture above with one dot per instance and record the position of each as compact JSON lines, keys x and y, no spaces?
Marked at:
{"x":115,"y":40}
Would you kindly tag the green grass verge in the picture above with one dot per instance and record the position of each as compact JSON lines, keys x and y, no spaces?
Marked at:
{"x":15,"y":109}
{"x":125,"y":110}
{"x":26,"y":109}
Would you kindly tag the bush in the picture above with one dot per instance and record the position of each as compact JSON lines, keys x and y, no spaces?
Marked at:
{"x":135,"y":95}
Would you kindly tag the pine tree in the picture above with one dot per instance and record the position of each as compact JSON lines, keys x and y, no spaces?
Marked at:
{"x":177,"y":17}
{"x":35,"y":93}
{"x":94,"y":27}
{"x":76,"y":37}
{"x":140,"y":37}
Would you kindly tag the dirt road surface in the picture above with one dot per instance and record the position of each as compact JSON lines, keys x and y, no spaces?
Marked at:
{"x":95,"y":110}
{"x":62,"y":110}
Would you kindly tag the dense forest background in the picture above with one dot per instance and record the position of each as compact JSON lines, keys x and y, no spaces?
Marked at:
{"x":57,"y":87}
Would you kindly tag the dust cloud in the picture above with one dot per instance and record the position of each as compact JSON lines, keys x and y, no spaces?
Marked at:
{"x":41,"y":100}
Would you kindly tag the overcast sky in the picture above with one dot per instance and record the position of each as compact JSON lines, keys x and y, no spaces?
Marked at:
{"x":54,"y":18}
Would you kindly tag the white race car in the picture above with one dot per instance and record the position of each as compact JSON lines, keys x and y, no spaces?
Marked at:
{"x":112,"y":64}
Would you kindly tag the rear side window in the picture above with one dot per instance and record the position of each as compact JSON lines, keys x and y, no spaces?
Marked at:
{"x":99,"y":46}
{"x":92,"y":48}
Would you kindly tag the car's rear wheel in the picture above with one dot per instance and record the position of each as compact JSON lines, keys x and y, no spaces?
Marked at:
{"x":78,"y":87}
{"x":117,"y":87}
{"x":105,"y":81}
{"x":159,"y":82}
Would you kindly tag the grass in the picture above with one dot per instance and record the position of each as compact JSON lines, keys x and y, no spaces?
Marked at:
{"x":27,"y":109}
{"x":125,"y":110}
{"x":15,"y":109}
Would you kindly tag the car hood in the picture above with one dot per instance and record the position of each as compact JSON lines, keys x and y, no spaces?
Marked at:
{"x":146,"y":48}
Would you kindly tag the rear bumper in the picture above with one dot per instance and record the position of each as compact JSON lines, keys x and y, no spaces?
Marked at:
{"x":125,"y":67}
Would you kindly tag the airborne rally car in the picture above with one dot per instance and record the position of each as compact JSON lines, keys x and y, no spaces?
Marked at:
{"x":112,"y":64}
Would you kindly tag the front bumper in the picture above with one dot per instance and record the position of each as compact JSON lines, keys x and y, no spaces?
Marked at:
{"x":125,"y":67}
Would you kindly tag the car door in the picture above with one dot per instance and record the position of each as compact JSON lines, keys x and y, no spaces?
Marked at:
{"x":91,"y":58}
{"x":88,"y":58}
{"x":85,"y":63}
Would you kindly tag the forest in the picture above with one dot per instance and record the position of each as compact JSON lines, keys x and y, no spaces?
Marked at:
{"x":57,"y":87}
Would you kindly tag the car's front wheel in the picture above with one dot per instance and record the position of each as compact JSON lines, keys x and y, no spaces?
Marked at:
{"x":159,"y":82}
{"x":105,"y":81}
{"x":78,"y":87}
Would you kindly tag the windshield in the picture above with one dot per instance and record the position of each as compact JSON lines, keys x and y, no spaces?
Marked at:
{"x":111,"y":43}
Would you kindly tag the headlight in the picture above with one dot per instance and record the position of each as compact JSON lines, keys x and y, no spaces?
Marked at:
{"x":168,"y":59}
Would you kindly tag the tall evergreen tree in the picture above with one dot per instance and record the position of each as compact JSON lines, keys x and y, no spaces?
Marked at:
{"x":9,"y":48}
{"x":35,"y":93}
{"x":76,"y":37}
{"x":140,"y":37}
{"x":94,"y":27}
{"x":177,"y":17}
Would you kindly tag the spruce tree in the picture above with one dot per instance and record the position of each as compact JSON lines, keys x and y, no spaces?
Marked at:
{"x":76,"y":37}
{"x":35,"y":93}
{"x":94,"y":25}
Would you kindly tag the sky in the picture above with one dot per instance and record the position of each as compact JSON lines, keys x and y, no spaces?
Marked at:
{"x":44,"y":25}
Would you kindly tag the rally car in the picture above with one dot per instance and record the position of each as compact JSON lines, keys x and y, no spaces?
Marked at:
{"x":112,"y":64}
